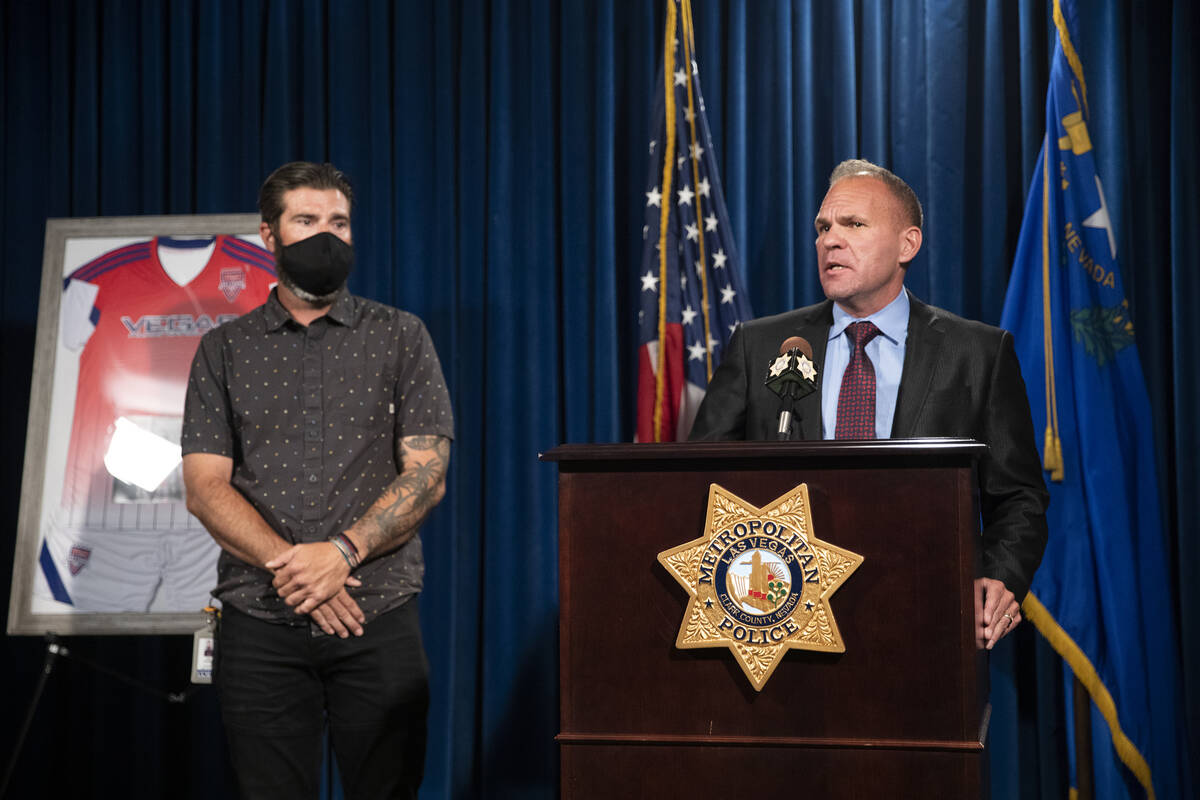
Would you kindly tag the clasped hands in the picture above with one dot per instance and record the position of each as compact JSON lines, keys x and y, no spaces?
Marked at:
{"x":312,"y":578}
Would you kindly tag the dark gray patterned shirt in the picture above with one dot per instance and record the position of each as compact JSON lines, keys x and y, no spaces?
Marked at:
{"x":312,"y":418}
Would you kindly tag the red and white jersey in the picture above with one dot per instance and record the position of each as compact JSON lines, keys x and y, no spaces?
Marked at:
{"x":138,"y":330}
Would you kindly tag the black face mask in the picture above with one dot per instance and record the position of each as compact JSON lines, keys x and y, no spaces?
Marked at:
{"x":319,"y":264}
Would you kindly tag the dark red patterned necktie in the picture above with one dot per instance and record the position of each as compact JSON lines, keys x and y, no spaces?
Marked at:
{"x":856,"y":399}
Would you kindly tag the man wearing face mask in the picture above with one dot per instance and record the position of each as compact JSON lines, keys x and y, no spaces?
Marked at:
{"x":316,"y":440}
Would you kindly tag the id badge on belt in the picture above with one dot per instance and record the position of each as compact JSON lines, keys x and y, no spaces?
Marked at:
{"x":204,"y":646}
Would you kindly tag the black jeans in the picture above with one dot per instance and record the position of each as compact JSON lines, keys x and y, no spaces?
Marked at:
{"x":278,"y":685}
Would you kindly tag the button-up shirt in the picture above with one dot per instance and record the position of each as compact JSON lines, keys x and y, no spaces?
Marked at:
{"x":886,"y":352}
{"x":312,"y":417}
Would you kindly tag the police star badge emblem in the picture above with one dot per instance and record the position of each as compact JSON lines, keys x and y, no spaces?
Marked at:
{"x":760,"y":582}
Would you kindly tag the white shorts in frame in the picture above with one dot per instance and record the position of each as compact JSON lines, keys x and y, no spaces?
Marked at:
{"x":113,"y":571}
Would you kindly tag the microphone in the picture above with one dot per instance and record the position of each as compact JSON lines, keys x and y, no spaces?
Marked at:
{"x":791,"y":375}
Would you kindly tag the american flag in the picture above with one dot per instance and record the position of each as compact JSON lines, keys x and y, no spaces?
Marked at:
{"x":691,"y":288}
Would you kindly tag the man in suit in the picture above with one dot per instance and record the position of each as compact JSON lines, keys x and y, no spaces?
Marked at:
{"x":901,"y":369}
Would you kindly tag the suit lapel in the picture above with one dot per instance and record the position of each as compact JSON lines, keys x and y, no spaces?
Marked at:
{"x":921,"y":354}
{"x":816,"y":330}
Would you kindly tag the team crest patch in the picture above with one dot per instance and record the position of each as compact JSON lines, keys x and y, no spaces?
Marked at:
{"x":233,"y":282}
{"x":760,"y":582}
{"x":78,"y":558}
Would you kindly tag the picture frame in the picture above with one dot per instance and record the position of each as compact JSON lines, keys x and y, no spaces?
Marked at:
{"x":105,"y":545}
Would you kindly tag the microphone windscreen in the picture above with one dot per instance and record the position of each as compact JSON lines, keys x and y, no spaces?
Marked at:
{"x":796,"y":342}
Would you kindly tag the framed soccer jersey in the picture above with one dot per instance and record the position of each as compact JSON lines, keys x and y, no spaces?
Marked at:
{"x":105,"y":542}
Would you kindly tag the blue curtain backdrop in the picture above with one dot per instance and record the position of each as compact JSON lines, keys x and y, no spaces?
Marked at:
{"x":498,"y":150}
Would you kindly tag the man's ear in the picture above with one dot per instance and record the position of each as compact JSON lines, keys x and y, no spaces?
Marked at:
{"x":910,"y":243}
{"x":268,"y":236}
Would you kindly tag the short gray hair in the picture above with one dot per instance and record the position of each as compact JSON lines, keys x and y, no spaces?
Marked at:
{"x":900,"y":190}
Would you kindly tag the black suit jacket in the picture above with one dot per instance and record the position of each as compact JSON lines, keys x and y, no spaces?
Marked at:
{"x":960,"y":378}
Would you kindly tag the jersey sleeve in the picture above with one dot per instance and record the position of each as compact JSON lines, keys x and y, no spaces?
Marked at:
{"x":76,"y":315}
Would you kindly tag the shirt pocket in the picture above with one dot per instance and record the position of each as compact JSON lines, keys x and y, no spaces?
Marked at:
{"x":363,"y":399}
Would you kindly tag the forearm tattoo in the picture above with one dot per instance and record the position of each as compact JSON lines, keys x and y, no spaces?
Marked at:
{"x":405,"y":504}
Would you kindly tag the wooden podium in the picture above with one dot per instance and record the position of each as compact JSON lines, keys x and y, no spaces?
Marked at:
{"x":901,"y":713}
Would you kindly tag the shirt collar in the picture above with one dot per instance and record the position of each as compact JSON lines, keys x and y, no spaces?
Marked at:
{"x":343,"y":311}
{"x":892,"y":319}
{"x":274,"y":311}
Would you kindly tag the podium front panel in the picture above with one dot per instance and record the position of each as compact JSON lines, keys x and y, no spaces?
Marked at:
{"x":910,"y":676}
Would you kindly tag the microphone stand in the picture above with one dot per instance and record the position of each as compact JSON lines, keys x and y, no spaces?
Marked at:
{"x":787,"y":378}
{"x":788,"y":415}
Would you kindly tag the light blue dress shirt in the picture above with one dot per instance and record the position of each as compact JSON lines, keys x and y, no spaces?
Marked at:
{"x":886,"y":352}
